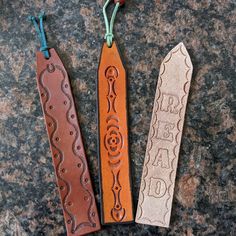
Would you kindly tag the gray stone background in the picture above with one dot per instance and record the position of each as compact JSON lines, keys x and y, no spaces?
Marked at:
{"x":204,"y":200}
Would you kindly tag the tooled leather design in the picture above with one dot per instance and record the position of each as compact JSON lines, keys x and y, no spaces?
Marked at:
{"x":177,"y":140}
{"x":83,"y":178}
{"x":114,"y":142}
{"x":75,"y":226}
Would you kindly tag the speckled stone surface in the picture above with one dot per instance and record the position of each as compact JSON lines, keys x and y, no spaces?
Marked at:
{"x":205,"y":193}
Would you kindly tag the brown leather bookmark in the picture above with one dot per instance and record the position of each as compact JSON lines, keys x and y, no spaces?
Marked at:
{"x":160,"y":165}
{"x":77,"y":197}
{"x":113,"y":138}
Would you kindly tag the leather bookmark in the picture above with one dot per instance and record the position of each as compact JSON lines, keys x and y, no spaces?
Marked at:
{"x":70,"y":164}
{"x":160,"y":164}
{"x":115,"y":184}
{"x":113,"y":138}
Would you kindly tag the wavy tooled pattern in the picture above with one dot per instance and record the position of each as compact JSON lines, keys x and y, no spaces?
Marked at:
{"x":64,"y":166}
{"x":54,"y":124}
{"x":84,"y":174}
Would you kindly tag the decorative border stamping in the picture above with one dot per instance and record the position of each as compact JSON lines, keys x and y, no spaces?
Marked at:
{"x":160,"y":165}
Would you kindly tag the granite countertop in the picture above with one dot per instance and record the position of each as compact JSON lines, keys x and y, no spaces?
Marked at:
{"x":205,"y":192}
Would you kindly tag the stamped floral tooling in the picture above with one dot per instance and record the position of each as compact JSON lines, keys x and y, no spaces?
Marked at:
{"x":116,"y":199}
{"x":114,"y":143}
{"x":113,"y":136}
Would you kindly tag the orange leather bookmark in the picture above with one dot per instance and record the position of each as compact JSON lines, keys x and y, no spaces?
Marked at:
{"x":113,"y":138}
{"x":71,"y":169}
{"x":160,"y":164}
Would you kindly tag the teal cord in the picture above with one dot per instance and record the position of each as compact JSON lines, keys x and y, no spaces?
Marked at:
{"x":109,"y":26}
{"x":41,"y":33}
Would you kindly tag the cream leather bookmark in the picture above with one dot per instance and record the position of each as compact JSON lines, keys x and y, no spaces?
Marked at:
{"x":160,"y":164}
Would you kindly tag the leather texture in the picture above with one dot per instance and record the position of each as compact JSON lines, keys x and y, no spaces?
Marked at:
{"x":113,"y":138}
{"x":160,"y":165}
{"x":73,"y":179}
